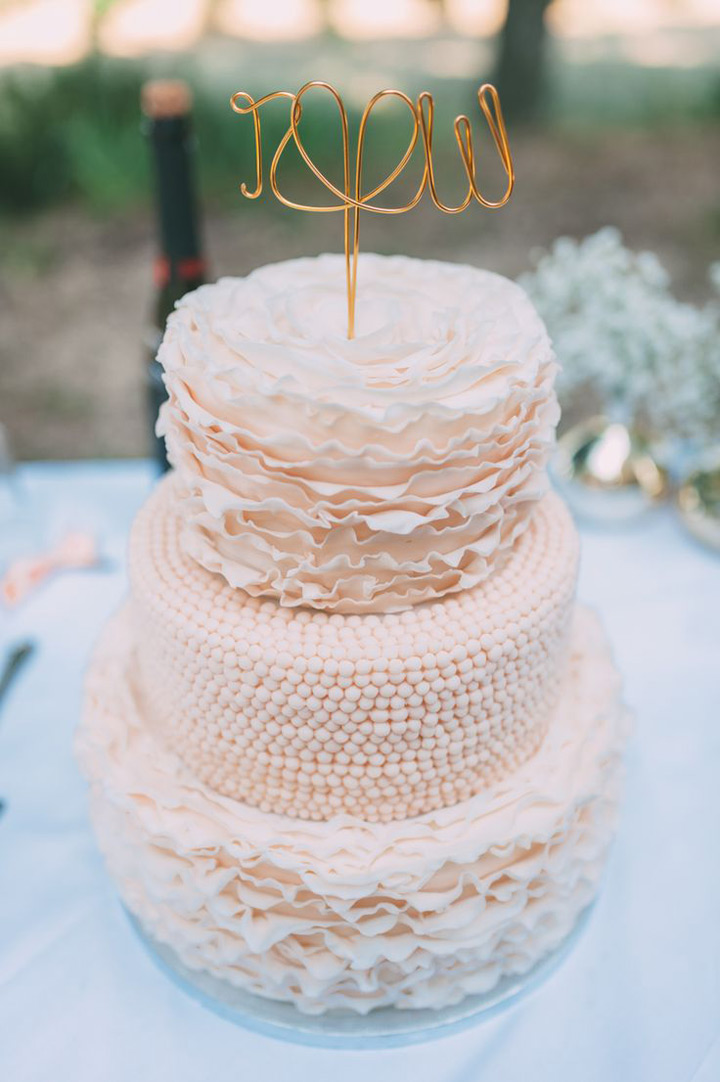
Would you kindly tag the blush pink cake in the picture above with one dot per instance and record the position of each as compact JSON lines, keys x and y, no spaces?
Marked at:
{"x":351,"y":742}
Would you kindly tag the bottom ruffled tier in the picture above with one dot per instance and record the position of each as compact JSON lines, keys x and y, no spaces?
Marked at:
{"x":347,"y":914}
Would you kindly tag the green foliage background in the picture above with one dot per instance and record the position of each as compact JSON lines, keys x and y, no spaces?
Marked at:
{"x":75,"y":133}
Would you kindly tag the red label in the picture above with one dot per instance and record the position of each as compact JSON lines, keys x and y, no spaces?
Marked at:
{"x":186,"y":269}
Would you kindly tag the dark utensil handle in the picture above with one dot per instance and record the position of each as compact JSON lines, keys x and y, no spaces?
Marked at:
{"x":15,"y":661}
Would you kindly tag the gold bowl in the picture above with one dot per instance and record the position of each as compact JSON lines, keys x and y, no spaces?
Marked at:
{"x":607,"y":473}
{"x":698,"y":500}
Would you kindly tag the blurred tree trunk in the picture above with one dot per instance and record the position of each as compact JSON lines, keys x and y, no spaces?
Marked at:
{"x":520,"y":66}
{"x":326,"y":15}
{"x":210,"y":19}
{"x":442,"y":10}
{"x":98,"y":11}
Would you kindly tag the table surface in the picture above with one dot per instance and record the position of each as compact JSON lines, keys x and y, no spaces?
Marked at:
{"x":638,"y":1000}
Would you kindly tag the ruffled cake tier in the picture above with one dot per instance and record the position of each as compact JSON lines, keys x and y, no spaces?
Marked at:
{"x":382,"y":716}
{"x":359,"y":475}
{"x":350,"y":914}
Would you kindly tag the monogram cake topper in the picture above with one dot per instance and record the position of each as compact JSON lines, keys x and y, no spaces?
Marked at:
{"x":351,"y":199}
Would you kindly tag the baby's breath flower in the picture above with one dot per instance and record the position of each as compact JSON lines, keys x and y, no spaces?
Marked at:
{"x":621,"y":335}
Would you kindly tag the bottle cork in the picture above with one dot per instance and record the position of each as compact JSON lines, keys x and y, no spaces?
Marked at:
{"x":162,"y":99}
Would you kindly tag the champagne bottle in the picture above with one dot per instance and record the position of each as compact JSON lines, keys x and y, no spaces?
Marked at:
{"x":180,"y":266}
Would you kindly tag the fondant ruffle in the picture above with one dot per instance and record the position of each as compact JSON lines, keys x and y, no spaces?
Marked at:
{"x":366,"y":474}
{"x":346,"y":913}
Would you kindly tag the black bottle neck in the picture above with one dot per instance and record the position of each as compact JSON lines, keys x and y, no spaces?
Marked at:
{"x":180,"y":265}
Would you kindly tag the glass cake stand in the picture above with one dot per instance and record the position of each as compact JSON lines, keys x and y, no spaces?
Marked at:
{"x":385,"y":1027}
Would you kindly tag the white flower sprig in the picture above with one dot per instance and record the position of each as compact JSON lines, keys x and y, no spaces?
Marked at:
{"x":620,"y":334}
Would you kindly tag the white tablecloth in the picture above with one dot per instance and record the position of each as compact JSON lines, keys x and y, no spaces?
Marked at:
{"x":637,"y":1001}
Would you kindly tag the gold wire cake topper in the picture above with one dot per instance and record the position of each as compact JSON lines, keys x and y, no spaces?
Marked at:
{"x":351,"y":200}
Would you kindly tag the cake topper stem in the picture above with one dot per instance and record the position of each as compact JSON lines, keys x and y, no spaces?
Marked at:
{"x":350,"y":198}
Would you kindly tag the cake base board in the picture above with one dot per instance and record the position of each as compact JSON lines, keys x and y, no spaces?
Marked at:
{"x":384,"y":1027}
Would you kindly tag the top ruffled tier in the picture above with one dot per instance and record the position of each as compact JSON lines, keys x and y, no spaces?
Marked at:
{"x":357,"y":475}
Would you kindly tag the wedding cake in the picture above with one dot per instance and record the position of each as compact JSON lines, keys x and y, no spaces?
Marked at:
{"x":351,"y":742}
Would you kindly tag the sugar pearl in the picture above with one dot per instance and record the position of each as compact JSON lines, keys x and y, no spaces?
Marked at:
{"x":377,"y":715}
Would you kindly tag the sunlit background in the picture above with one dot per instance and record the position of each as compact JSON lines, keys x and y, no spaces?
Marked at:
{"x":622,"y":129}
{"x":65,"y":31}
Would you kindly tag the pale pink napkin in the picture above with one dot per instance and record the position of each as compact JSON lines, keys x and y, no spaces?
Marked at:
{"x":76,"y":550}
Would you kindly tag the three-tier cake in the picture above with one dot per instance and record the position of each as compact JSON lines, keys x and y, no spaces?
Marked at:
{"x":351,"y":741}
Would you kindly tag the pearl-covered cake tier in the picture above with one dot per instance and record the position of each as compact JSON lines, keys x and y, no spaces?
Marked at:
{"x":359,"y":475}
{"x":382,"y":716}
{"x":349,"y":914}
